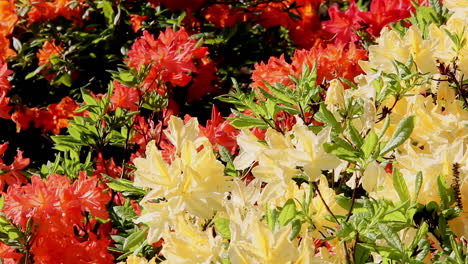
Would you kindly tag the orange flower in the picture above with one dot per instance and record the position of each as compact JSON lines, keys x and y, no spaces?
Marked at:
{"x":8,"y":19}
{"x":179,"y":4}
{"x":43,"y":10}
{"x":136,"y":21}
{"x":53,"y":119}
{"x":275,"y":71}
{"x":48,"y":50}
{"x":222,"y":15}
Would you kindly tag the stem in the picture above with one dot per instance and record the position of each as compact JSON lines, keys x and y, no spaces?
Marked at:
{"x":353,"y":198}
{"x":324,"y":203}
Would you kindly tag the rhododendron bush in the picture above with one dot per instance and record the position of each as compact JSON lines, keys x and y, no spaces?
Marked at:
{"x":216,"y":131}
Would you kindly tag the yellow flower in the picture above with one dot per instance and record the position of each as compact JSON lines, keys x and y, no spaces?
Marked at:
{"x":310,"y":153}
{"x":194,"y":182}
{"x":335,"y":94}
{"x":188,"y":244}
{"x":373,"y":177}
{"x":318,"y":207}
{"x":133,"y":259}
{"x":253,"y":242}
{"x":178,"y":132}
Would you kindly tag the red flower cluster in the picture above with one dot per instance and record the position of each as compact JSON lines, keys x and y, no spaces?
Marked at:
{"x":344,"y":25}
{"x":63,"y":230}
{"x":4,"y":88}
{"x":11,"y":174}
{"x":172,"y":59}
{"x":333,"y":61}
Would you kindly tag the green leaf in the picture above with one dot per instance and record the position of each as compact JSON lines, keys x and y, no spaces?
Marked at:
{"x":124,"y":212}
{"x":271,"y":217}
{"x":445,"y":193}
{"x":417,"y":186}
{"x":87,"y":98}
{"x":400,"y":186}
{"x":222,"y":227}
{"x":328,"y":118}
{"x":369,"y":144}
{"x":65,"y":79}
{"x":340,"y":151}
{"x":422,"y":233}
{"x":385,"y":126}
{"x":247,"y":122}
{"x":391,"y":237}
{"x":122,"y":185}
{"x":401,"y":134}
{"x":287,"y":213}
{"x":135,"y":239}
{"x":296,"y":228}
{"x":357,"y":139}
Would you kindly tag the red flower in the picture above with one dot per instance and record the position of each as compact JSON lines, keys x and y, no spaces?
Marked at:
{"x":57,"y":208}
{"x":9,"y":255}
{"x":57,"y":115}
{"x":4,"y":107}
{"x":11,"y":174}
{"x":343,"y":25}
{"x":332,"y":61}
{"x":220,"y":132}
{"x":382,"y":13}
{"x":203,"y":82}
{"x":171,"y":57}
{"x":4,"y":74}
{"x":124,"y":97}
{"x":4,"y":88}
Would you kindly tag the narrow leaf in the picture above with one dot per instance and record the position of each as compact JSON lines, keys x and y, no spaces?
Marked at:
{"x":222,"y":227}
{"x":400,"y":186}
{"x":401,"y":134}
{"x":287,"y":213}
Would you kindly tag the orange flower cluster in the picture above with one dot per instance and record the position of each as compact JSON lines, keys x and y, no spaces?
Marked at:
{"x":8,"y":19}
{"x":63,"y":216}
{"x":43,"y":10}
{"x":303,"y":31}
{"x":332,"y":61}
{"x":53,"y":119}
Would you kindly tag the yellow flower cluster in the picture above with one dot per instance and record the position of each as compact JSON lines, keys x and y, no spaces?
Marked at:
{"x":440,"y":137}
{"x":185,"y":194}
